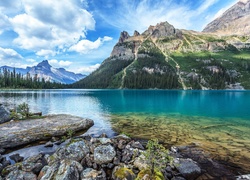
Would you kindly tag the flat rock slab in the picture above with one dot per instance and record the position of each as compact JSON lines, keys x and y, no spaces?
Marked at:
{"x":16,"y":133}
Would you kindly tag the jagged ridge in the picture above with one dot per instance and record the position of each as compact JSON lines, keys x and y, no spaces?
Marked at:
{"x":168,"y":58}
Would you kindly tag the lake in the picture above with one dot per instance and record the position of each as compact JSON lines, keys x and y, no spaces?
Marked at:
{"x":217,"y":121}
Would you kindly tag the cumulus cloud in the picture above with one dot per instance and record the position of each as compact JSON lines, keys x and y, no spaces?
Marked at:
{"x":51,"y":24}
{"x":9,"y":54}
{"x":10,"y":7}
{"x":59,"y":63}
{"x":85,"y":46}
{"x":87,"y":69}
{"x":4,"y":23}
{"x":46,"y":53}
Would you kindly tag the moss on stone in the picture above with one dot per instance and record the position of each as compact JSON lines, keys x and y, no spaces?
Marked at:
{"x":157,"y":174}
{"x":124,"y":173}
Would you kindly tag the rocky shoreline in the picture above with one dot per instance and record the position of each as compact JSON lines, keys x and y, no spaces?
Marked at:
{"x":89,"y":158}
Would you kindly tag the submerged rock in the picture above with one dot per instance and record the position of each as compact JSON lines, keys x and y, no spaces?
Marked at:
{"x":26,"y":131}
{"x":188,"y":168}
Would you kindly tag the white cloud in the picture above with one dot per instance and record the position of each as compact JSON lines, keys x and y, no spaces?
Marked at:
{"x":46,"y":53}
{"x":205,"y":5}
{"x":138,"y":15}
{"x":87,"y":69}
{"x":9,"y":55}
{"x":59,"y":63}
{"x":85,"y":46}
{"x":222,"y":10}
{"x":31,"y":60}
{"x":10,"y":7}
{"x":4,"y":23}
{"x":107,"y":38}
{"x":51,"y":24}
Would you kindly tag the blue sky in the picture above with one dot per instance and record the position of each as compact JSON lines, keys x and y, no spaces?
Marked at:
{"x":79,"y":34}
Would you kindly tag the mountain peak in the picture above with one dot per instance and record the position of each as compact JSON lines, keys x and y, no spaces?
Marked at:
{"x":236,"y":20}
{"x":44,"y":63}
{"x":124,"y":35}
{"x":162,"y":29}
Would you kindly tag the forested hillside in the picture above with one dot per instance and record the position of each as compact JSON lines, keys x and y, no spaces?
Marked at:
{"x":11,"y":79}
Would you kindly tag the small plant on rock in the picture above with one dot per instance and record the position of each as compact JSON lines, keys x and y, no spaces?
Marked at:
{"x":157,"y":157}
{"x":24,"y":110}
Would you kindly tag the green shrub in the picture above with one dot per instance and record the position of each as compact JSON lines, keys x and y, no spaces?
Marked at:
{"x":157,"y":157}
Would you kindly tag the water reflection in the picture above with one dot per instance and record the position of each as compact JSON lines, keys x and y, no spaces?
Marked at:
{"x":100,"y":104}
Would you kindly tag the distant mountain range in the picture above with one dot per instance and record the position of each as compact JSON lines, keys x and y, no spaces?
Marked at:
{"x":46,"y":71}
{"x":164,"y":57}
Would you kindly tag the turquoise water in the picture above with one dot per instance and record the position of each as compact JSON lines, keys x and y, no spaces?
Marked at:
{"x":218,"y":121}
{"x":219,"y":104}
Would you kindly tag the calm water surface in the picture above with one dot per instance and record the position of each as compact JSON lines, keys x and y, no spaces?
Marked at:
{"x":218,"y":121}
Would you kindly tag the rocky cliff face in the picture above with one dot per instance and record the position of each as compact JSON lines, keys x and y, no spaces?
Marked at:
{"x":168,"y":58}
{"x":235,"y":20}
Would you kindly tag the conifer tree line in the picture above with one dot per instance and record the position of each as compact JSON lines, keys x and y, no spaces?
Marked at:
{"x":12,"y":79}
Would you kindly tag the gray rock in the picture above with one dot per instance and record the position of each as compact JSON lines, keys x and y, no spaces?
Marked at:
{"x":69,"y":170}
{"x":34,"y":163}
{"x":5,"y":162}
{"x":8,"y":169}
{"x":137,"y":145}
{"x":75,"y":151}
{"x":1,"y":158}
{"x":48,"y":144}
{"x":104,"y":140}
{"x":20,"y":175}
{"x":2,"y":150}
{"x":243,"y":177}
{"x":104,"y":154}
{"x":16,"y":158}
{"x":4,"y":114}
{"x":178,"y":178}
{"x":121,"y":144}
{"x":48,"y":172}
{"x":140,"y":162}
{"x":90,"y":174}
{"x":64,"y":170}
{"x":1,"y":168}
{"x":188,"y":168}
{"x":23,"y":132}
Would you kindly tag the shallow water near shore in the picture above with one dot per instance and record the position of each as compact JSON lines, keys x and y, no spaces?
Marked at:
{"x":216,"y":121}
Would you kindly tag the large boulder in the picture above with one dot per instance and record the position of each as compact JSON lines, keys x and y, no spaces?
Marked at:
{"x":24,"y":132}
{"x":75,"y":150}
{"x":64,"y":170}
{"x":104,"y":154}
{"x":188,"y":168}
{"x":4,"y":114}
{"x":18,"y":174}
